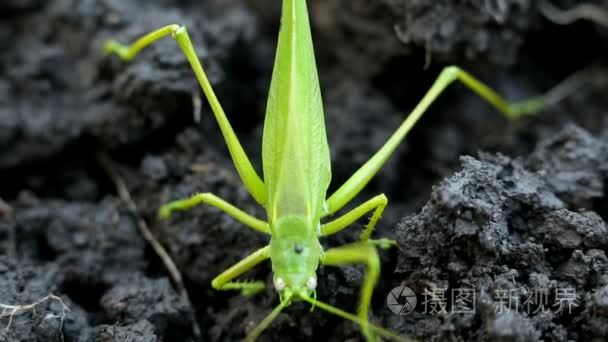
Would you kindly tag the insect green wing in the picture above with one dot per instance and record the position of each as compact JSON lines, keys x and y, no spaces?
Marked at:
{"x":295,"y":152}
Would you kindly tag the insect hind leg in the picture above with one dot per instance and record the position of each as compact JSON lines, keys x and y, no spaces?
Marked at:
{"x":249,"y":176}
{"x":449,"y":75}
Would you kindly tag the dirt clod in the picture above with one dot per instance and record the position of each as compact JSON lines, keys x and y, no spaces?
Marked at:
{"x":498,"y":225}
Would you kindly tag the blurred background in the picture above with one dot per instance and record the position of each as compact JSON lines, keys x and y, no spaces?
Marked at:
{"x":74,"y":121}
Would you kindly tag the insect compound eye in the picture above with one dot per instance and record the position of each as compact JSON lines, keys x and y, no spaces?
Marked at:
{"x":311,"y":283}
{"x":279,"y":284}
{"x":298,"y":248}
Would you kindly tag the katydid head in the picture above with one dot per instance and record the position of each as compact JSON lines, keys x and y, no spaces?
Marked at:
{"x":295,"y":258}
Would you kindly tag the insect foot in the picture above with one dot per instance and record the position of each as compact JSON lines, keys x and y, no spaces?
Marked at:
{"x":383,"y":243}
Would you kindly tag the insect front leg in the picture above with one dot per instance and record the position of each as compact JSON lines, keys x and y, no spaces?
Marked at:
{"x":250,"y":177}
{"x":511,"y":110}
{"x":377,"y":204}
{"x":214,"y":201}
{"x":223,"y":282}
{"x":358,"y":253}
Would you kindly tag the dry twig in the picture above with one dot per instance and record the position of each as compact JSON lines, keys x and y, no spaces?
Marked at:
{"x":162,"y":253}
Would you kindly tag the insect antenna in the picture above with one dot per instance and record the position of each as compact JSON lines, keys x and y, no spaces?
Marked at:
{"x":268,"y":319}
{"x":348,"y":316}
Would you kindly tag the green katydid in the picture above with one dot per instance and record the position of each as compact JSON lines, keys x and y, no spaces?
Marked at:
{"x":297,"y":172}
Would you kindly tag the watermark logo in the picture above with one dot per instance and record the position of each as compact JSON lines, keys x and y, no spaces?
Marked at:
{"x":401,"y":300}
{"x":440,"y":301}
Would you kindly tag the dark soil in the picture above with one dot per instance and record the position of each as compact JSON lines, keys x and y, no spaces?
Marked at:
{"x":527,"y":214}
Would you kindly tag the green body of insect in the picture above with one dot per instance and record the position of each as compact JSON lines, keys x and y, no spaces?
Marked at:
{"x":297,"y":172}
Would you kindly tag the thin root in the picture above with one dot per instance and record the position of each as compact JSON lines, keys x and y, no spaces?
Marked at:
{"x":589,"y":12}
{"x":162,"y":253}
{"x":11,"y":311}
{"x":574,"y":82}
{"x":6,"y":210}
{"x":197,"y":105}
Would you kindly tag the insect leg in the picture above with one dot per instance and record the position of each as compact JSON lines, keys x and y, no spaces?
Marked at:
{"x":355,"y":319}
{"x":250,"y":177}
{"x":358,"y":253}
{"x":377,"y":204}
{"x":214,"y":201}
{"x":511,"y":110}
{"x":224,"y":281}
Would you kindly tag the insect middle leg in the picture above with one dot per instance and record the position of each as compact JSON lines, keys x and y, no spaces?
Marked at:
{"x":358,"y":253}
{"x":214,"y":201}
{"x":224,"y":281}
{"x":250,"y":177}
{"x":377,"y":204}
